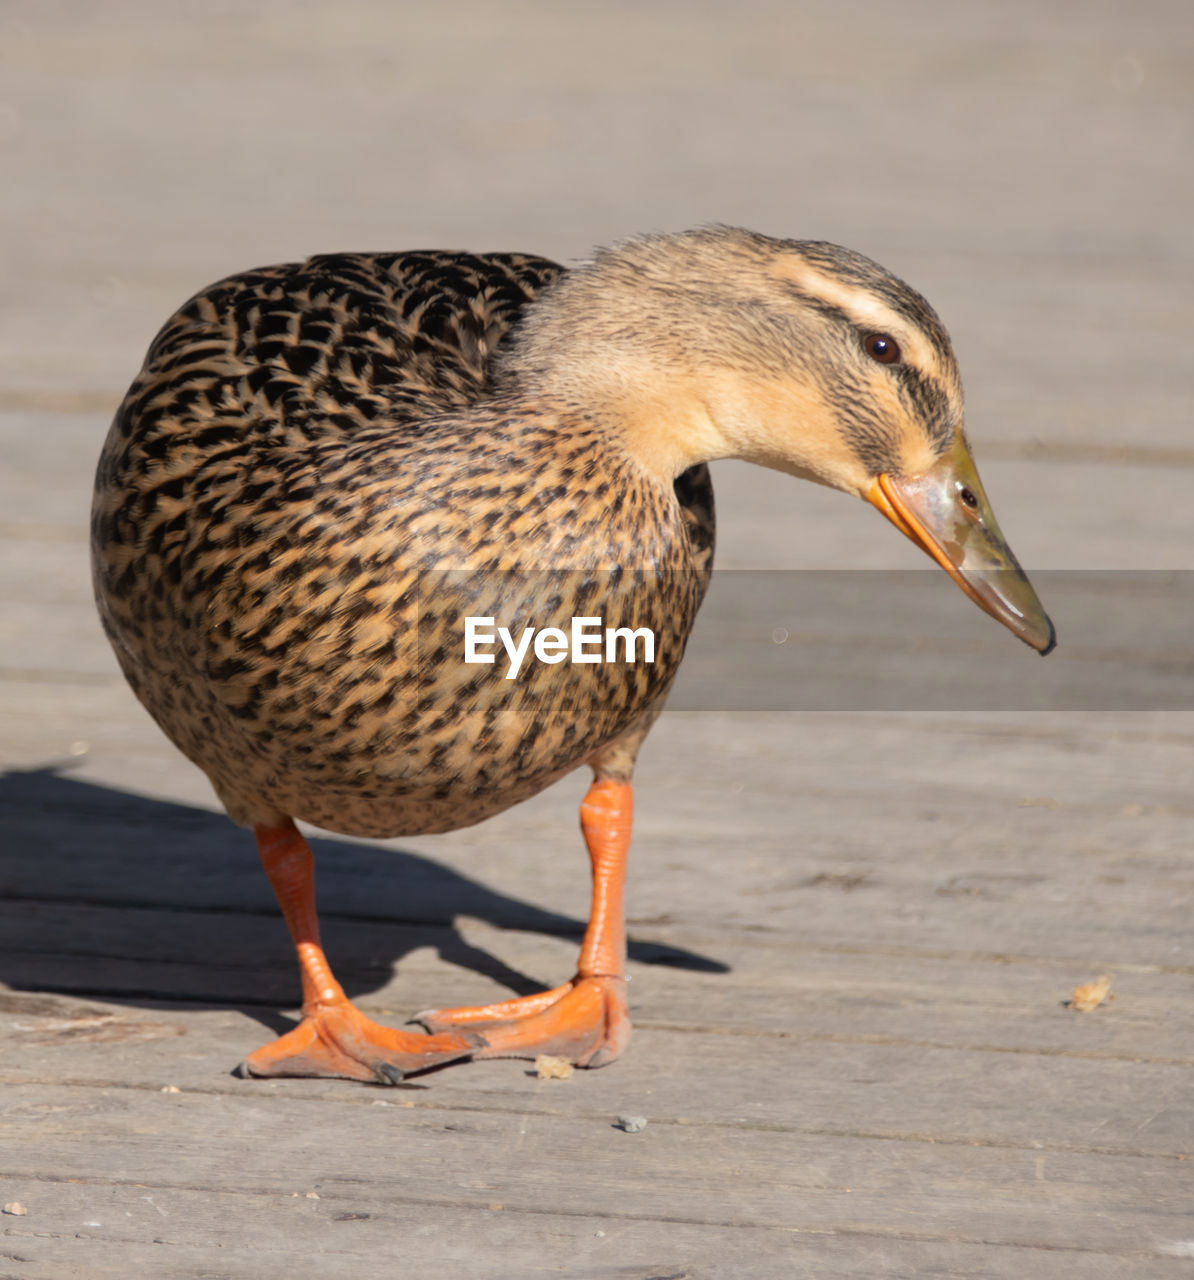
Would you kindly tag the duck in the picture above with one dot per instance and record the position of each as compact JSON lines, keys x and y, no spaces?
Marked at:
{"x":328,"y":472}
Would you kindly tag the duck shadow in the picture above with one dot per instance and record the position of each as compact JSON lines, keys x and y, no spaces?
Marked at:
{"x":115,"y":896}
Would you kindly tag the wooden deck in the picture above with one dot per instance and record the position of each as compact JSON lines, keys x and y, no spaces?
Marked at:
{"x":852,"y":934}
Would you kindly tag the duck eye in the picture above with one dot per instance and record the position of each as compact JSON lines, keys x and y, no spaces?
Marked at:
{"x":967,"y":496}
{"x":882,"y":347}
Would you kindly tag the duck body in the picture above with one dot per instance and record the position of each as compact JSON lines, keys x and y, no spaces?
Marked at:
{"x":326,"y":469}
{"x":289,"y":538}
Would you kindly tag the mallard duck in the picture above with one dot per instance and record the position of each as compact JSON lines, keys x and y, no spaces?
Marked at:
{"x":325,"y":469}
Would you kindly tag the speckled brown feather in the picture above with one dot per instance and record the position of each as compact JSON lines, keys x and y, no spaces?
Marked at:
{"x":311,"y":482}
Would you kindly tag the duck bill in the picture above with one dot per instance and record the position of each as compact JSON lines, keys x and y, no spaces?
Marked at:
{"x":945,"y":511}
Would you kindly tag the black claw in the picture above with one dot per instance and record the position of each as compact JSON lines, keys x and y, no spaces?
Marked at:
{"x":242,"y":1070}
{"x":389,"y":1074}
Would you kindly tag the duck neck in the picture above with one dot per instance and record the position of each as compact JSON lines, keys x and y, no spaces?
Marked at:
{"x":663,"y":434}
{"x":667,"y":424}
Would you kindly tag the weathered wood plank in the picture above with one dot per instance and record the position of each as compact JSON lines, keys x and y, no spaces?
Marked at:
{"x":803,"y":987}
{"x":270,"y":1237}
{"x":465,"y":1158}
{"x":928,"y":866}
{"x":868,"y":1084}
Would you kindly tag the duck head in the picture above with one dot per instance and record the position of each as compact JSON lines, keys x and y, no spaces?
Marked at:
{"x":801,"y":356}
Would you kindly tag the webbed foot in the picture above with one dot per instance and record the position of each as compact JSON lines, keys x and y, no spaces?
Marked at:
{"x":338,"y":1040}
{"x":585,"y":1021}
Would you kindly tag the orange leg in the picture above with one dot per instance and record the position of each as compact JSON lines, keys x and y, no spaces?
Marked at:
{"x":334,"y":1037}
{"x":585,"y":1020}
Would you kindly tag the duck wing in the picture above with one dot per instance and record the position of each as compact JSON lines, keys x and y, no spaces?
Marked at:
{"x":327,"y":346}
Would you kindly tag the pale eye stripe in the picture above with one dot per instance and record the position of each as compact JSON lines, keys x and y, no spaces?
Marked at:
{"x":868,"y":311}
